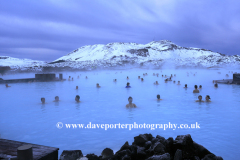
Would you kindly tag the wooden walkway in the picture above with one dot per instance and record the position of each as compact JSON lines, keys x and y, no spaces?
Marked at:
{"x":8,"y":149}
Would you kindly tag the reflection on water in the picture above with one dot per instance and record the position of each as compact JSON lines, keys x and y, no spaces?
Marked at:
{"x":77,"y":106}
{"x":107,"y":105}
{"x":130,"y":115}
{"x":56,"y":104}
{"x":43,"y":108}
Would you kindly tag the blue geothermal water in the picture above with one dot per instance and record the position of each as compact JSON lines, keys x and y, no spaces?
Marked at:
{"x":24,"y":118}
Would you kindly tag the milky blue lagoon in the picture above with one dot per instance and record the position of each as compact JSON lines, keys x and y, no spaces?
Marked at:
{"x":24,"y":118}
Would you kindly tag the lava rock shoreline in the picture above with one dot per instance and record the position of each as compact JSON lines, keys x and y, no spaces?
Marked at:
{"x":147,"y":147}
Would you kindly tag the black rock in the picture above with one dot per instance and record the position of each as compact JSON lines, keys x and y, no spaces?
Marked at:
{"x":134,"y":149}
{"x":161,"y":139}
{"x":149,"y":152}
{"x":106,"y":153}
{"x":169,"y":146}
{"x":196,"y":158}
{"x":185,"y":143}
{"x":184,"y":140}
{"x":154,"y":140}
{"x":120,"y":154}
{"x":165,"y":156}
{"x":71,"y":154}
{"x":125,"y":146}
{"x":200,"y":150}
{"x":178,"y":155}
{"x":212,"y":157}
{"x":148,"y":144}
{"x":126,"y":157}
{"x":92,"y":157}
{"x":148,"y":136}
{"x":140,"y":140}
{"x":158,"y":148}
{"x":141,"y":153}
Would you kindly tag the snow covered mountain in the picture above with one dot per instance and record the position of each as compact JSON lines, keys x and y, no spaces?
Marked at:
{"x":21,"y":64}
{"x":155,"y":54}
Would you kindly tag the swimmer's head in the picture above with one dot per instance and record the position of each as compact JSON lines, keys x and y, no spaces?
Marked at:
{"x":216,"y":85}
{"x":178,"y":82}
{"x":200,"y":86}
{"x":77,"y":98}
{"x":76,"y":87}
{"x":6,"y":85}
{"x":158,"y":96}
{"x":207,"y":97}
{"x":200,"y":97}
{"x":43,"y":100}
{"x":130,"y":99}
{"x":186,"y":85}
{"x":97,"y":84}
{"x":128,"y":83}
{"x":56,"y":98}
{"x":195,"y":87}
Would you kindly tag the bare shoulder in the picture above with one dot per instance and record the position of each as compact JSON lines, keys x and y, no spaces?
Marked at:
{"x":134,"y":105}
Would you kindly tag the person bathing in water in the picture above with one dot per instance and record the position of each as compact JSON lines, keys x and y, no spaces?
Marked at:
{"x":76,"y":87}
{"x":43,"y":100}
{"x":195,"y":90}
{"x":77,"y":98}
{"x":185,"y":86}
{"x":207,"y":98}
{"x":98,"y":85}
{"x":199,"y":99}
{"x":178,"y":83}
{"x":127,"y":77}
{"x":200,"y":87}
{"x":138,"y":77}
{"x":156,"y":83}
{"x":158,"y":97}
{"x":128,"y":85}
{"x":130,"y":104}
{"x":56,"y":99}
{"x":115,"y":80}
{"x":216,"y":85}
{"x":7,"y":85}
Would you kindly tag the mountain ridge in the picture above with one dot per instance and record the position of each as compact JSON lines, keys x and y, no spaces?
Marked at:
{"x":156,"y":54}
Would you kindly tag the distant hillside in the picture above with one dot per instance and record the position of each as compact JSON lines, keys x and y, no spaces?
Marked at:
{"x":156,"y":54}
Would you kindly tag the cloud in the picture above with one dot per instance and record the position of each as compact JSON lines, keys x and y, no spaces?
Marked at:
{"x":62,"y":26}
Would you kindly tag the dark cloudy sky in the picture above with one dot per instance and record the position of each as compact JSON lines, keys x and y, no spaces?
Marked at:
{"x":48,"y":29}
